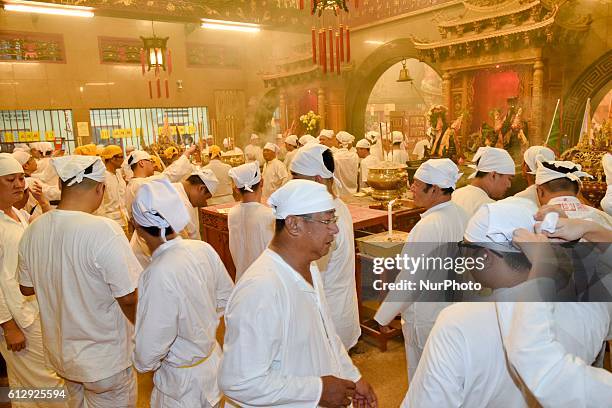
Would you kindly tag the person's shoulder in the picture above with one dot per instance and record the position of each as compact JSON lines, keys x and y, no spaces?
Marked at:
{"x":261,"y":280}
{"x":467,"y":316}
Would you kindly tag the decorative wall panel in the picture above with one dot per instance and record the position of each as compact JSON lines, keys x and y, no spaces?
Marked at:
{"x":211,"y":56}
{"x":119,"y":50}
{"x":20,"y":46}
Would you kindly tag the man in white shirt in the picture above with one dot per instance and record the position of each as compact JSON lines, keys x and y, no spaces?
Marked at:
{"x":282,"y":149}
{"x":274,"y":171}
{"x":84,"y":275}
{"x":443,"y":222}
{"x":253,"y":151}
{"x":175,"y":335}
{"x":315,"y":162}
{"x":606,"y":202}
{"x":281,"y":347}
{"x":326,"y":138}
{"x":366,"y":160}
{"x":291,"y":144}
{"x":113,"y":205}
{"x":419,"y":148}
{"x":250,"y":223}
{"x":306,"y":139}
{"x":398,"y":153}
{"x":195,"y":191}
{"x":347,"y":164}
{"x":22,"y":344}
{"x":223,"y":193}
{"x":492,"y":178}
{"x":230,"y":148}
{"x":531,"y":157}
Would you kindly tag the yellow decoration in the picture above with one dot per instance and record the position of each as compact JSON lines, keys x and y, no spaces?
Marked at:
{"x":191,"y":129}
{"x":173,"y":130}
{"x":117,"y":133}
{"x":138,"y":132}
{"x":23,"y":137}
{"x":104,"y":134}
{"x":50,"y":136}
{"x":127,"y":133}
{"x":9,"y":137}
{"x":160,"y":130}
{"x":35,"y":136}
{"x":181,"y":130}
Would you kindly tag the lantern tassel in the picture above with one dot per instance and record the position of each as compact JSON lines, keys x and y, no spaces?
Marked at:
{"x":158,"y":87}
{"x":324,"y":52}
{"x":348,"y":45}
{"x":314,"y":46}
{"x":337,"y":53}
{"x":167,"y":89}
{"x":142,"y":60}
{"x":341,"y":43}
{"x":169,"y":62}
{"x":331,"y":49}
{"x":150,"y":90}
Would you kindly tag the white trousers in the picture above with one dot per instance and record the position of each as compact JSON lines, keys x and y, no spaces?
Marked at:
{"x":27,"y":368}
{"x":117,"y":391}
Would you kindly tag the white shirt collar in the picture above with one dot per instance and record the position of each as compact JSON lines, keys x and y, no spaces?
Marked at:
{"x":290,"y":272}
{"x":163,"y":247}
{"x":435,"y":208}
{"x":564,"y":199}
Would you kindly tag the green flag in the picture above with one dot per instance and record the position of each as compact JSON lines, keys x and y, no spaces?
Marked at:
{"x":553,"y":140}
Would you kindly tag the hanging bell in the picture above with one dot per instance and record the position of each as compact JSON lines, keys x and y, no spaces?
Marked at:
{"x":404,"y":75}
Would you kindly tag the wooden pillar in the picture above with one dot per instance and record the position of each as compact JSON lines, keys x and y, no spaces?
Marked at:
{"x":535,"y":130}
{"x":321,"y":107}
{"x":446,"y":91}
{"x":284,"y":120}
{"x":336,"y":118}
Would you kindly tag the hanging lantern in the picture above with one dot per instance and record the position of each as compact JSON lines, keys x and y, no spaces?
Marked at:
{"x":155,"y":52}
{"x":404,"y":75}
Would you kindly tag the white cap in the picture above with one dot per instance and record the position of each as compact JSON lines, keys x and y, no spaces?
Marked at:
{"x":254,"y":136}
{"x":22,"y":146}
{"x":309,"y":161}
{"x":489,"y":159}
{"x":158,"y":204}
{"x":606,"y":162}
{"x":372,"y":136}
{"x":208,"y":178}
{"x":443,"y":173}
{"x":210,"y":137}
{"x":299,"y":197}
{"x":136,"y":156}
{"x":73,"y":168}
{"x":536,"y":154}
{"x":493,"y":224}
{"x":345,"y":138}
{"x":363,"y":144}
{"x":9,"y":165}
{"x":306,"y":139}
{"x":271,"y":146}
{"x":21,"y":156}
{"x":246,"y":175}
{"x":46,"y":147}
{"x":552,"y":170}
{"x":279,"y":136}
{"x":292,"y":140}
{"x":226,"y":142}
{"x":397,"y":136}
{"x":37,"y":146}
{"x":328,"y":133}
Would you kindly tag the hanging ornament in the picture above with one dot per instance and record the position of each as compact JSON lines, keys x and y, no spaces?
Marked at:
{"x":155,"y":56}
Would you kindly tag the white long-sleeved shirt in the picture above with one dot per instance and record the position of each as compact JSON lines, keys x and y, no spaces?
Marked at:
{"x":13,"y":305}
{"x":288,"y":159}
{"x":574,"y":208}
{"x":338,"y":274}
{"x":223,"y":194}
{"x":113,"y":203}
{"x":279,"y":338}
{"x":419,"y":148}
{"x":346,"y":170}
{"x":552,"y":346}
{"x":530,"y":193}
{"x":274,"y":175}
{"x":364,"y":167}
{"x":399,"y":156}
{"x":179,"y":298}
{"x":470,"y":198}
{"x":463,"y":364}
{"x":251,"y":228}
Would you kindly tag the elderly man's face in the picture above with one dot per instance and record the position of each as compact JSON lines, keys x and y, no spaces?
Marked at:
{"x":362,"y":152}
{"x":324,"y":140}
{"x":269,"y":154}
{"x":11,"y":188}
{"x":320,"y":230}
{"x":423,"y":194}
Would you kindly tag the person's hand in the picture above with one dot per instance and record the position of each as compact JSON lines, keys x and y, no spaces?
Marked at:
{"x":13,"y":335}
{"x":336,"y":392}
{"x":385,"y":329}
{"x":364,"y":395}
{"x":570,"y":229}
{"x":545,"y":209}
{"x":190,"y":151}
{"x":539,"y":252}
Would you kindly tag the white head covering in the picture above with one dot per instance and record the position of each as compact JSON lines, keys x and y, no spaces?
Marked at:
{"x":536,"y":154}
{"x":279,"y":136}
{"x":21,"y":156}
{"x":254,"y":136}
{"x":208,"y":178}
{"x":309,"y":161}
{"x":226,"y":142}
{"x":328,"y":133}
{"x":9,"y":165}
{"x":489,"y":159}
{"x":158,"y":204}
{"x":493,"y":224}
{"x":22,"y":146}
{"x":299,"y":197}
{"x":271,"y":146}
{"x":443,"y":173}
{"x":46,"y":147}
{"x":363,"y":143}
{"x":246,"y":175}
{"x":397,"y":136}
{"x":210,"y":137}
{"x":73,"y":168}
{"x":306,"y":139}
{"x":134,"y":157}
{"x":37,"y":146}
{"x":552,"y":170}
{"x":292,"y":140}
{"x":606,"y":162}
{"x":344,"y":138}
{"x":372,"y":136}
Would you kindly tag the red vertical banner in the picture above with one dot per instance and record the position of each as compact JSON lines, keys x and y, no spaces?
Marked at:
{"x":320,"y":49}
{"x":169,"y":56}
{"x":314,"y":45}
{"x":341,"y":42}
{"x":142,"y":60}
{"x":325,"y":52}
{"x":150,"y":90}
{"x":331,"y":49}
{"x":312,"y":7}
{"x":158,"y":87}
{"x":301,"y":4}
{"x":338,"y":42}
{"x":348,"y":45}
{"x":167,"y":88}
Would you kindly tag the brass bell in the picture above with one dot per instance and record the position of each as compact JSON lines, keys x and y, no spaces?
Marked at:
{"x":404,"y":75}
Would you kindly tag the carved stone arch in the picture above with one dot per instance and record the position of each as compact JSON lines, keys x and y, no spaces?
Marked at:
{"x":365,"y":76}
{"x":589,"y":84}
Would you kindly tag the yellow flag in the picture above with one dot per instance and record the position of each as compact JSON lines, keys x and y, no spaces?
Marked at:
{"x":50,"y":136}
{"x":9,"y":137}
{"x":104,"y":134}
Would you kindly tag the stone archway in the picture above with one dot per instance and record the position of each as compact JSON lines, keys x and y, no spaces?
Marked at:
{"x":365,"y":76}
{"x":589,"y":84}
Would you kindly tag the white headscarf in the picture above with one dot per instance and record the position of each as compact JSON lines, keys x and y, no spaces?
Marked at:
{"x":158,"y":204}
{"x":535,"y":154}
{"x":309,"y":161}
{"x":328,"y":133}
{"x":271,"y":146}
{"x":344,"y":138}
{"x":493,"y":224}
{"x":397,"y":136}
{"x":372,"y":136}
{"x":134,"y":157}
{"x":21,"y":156}
{"x":246,"y":175}
{"x":74,"y":168}
{"x":254,"y":136}
{"x":363,"y":144}
{"x":306,"y":139}
{"x":9,"y":165}
{"x":292,"y":140}
{"x":208,"y":178}
{"x":299,"y":197}
{"x":552,"y":170}
{"x":443,"y":173}
{"x":489,"y":159}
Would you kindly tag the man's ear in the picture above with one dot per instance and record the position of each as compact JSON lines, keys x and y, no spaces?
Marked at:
{"x":293,"y":225}
{"x":100,"y":188}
